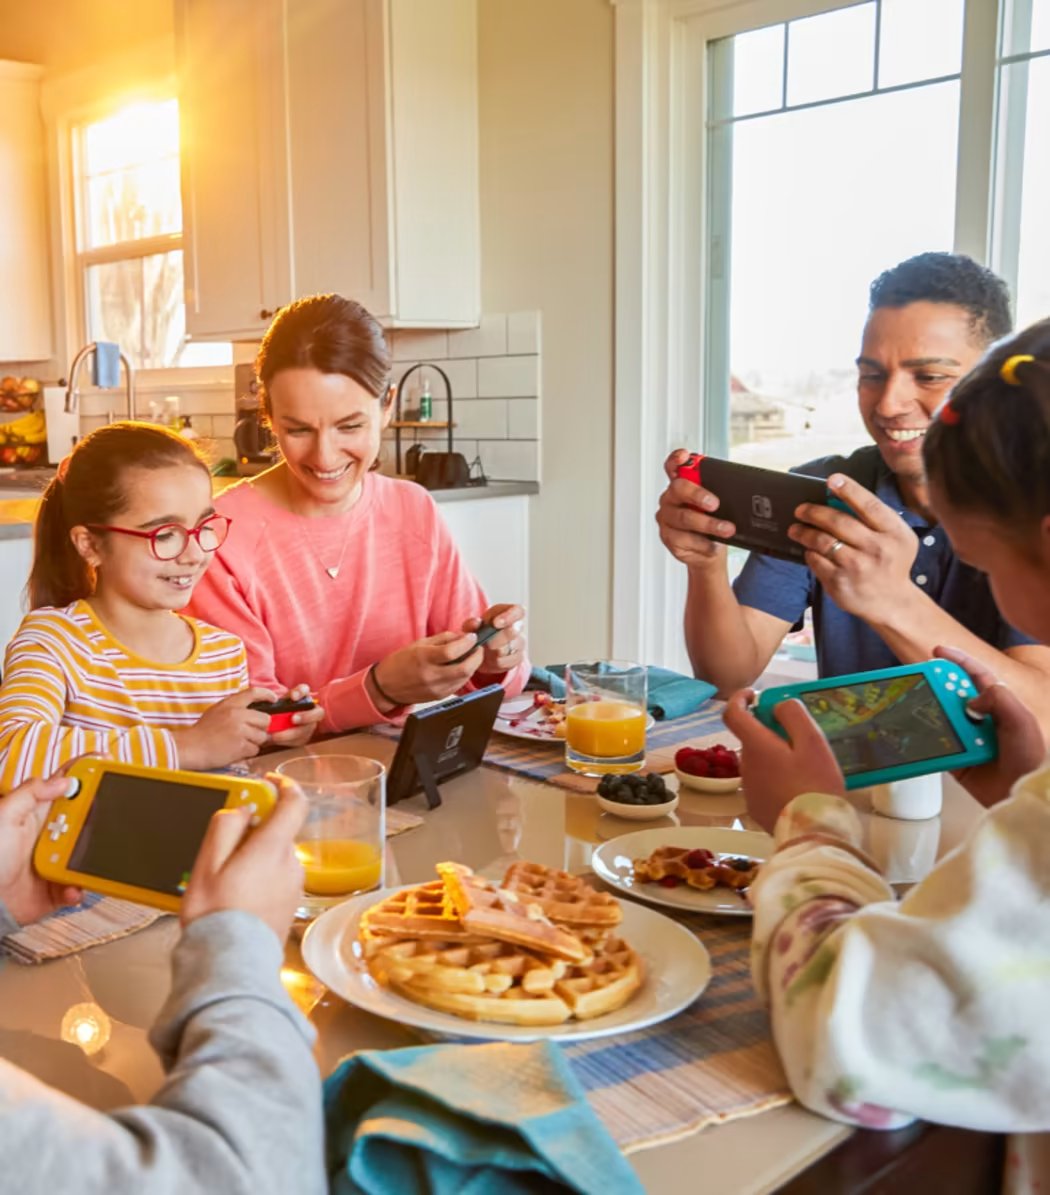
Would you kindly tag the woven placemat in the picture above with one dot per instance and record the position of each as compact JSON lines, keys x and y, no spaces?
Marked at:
{"x":95,"y":920}
{"x":712,"y":1063}
{"x":546,"y":760}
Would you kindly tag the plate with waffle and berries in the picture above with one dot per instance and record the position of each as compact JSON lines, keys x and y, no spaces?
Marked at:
{"x":537,"y":954}
{"x":699,"y":869}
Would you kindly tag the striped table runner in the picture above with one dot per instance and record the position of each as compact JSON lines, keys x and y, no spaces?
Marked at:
{"x":712,"y":1063}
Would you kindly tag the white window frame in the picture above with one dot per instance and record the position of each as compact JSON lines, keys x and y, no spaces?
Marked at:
{"x":662,"y":206}
{"x":144,"y":75}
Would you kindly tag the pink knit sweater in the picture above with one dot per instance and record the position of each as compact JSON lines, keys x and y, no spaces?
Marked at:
{"x":400,"y":578}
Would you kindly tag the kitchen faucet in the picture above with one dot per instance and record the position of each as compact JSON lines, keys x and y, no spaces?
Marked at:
{"x":71,"y":390}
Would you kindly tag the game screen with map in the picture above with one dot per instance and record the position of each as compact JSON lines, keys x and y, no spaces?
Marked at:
{"x":882,"y":724}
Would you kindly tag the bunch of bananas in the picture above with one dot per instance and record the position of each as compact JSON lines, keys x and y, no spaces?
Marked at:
{"x":30,"y":429}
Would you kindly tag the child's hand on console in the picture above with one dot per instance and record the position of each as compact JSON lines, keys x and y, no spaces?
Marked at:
{"x":226,"y":733}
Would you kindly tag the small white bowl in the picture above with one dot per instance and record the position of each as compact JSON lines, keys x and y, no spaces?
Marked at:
{"x":638,"y":813}
{"x":707,"y":784}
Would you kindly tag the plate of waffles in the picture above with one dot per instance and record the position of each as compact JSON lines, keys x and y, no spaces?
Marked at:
{"x":537,"y":716}
{"x":701,"y":869}
{"x":536,"y":954}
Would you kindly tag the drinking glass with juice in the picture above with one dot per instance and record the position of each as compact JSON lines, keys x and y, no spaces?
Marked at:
{"x":341,"y":844}
{"x":606,"y":717}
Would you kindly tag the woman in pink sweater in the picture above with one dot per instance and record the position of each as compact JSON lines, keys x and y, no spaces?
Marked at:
{"x":333,"y":574}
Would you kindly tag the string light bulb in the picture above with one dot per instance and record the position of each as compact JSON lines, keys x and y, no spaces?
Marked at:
{"x":86,"y":1026}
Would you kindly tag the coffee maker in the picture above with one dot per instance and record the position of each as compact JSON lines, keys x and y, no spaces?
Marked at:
{"x":256,"y":447}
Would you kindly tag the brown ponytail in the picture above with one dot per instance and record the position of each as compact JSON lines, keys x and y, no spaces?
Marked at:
{"x":89,"y":488}
{"x":989,"y":451}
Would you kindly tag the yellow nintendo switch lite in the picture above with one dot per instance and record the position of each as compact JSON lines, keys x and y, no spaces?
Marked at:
{"x":134,"y":832}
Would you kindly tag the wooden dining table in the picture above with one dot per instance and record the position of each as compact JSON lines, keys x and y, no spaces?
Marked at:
{"x":488,"y":818}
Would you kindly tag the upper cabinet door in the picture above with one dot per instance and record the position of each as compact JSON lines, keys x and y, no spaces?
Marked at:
{"x":329,"y":145}
{"x":25,"y":305}
{"x":234,"y":168}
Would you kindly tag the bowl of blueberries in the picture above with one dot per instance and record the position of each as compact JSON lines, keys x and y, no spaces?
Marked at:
{"x":636,"y":797}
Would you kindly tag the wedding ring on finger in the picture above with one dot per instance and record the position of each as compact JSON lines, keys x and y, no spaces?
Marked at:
{"x":834,"y":548}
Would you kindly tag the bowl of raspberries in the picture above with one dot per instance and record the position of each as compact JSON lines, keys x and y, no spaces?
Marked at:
{"x":635,"y":796}
{"x":708,"y":769}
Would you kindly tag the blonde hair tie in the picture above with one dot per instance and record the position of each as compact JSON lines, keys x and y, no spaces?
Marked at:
{"x":1008,"y":371}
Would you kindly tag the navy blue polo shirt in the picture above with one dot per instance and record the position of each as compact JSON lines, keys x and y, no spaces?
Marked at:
{"x":846,"y":643}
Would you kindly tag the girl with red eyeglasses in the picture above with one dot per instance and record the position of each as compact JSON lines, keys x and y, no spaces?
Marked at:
{"x":105,"y":662}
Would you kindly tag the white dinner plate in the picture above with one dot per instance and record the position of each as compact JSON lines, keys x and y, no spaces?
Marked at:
{"x":612,"y":862}
{"x":677,"y":968}
{"x":535,"y":729}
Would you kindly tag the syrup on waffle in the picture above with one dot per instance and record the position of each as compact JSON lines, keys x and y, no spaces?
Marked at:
{"x":485,"y":908}
{"x":698,"y":868}
{"x":566,"y":899}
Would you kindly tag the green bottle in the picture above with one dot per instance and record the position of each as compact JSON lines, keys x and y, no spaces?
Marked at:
{"x":426,"y":403}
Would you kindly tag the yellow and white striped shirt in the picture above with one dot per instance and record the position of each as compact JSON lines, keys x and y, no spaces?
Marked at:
{"x":70,"y":688}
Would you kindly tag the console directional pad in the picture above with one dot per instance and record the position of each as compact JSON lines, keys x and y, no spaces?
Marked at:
{"x":58,"y":827}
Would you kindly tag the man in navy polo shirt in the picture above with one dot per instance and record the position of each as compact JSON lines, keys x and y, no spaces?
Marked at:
{"x":885,"y":586}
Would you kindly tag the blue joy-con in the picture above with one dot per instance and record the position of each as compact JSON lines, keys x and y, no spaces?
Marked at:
{"x":838,"y":504}
{"x":893,"y":723}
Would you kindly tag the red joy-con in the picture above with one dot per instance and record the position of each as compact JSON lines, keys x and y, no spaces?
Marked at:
{"x":280,"y":722}
{"x":690,"y":468}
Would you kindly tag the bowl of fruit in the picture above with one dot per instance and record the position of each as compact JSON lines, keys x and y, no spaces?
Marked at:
{"x":636,"y":797}
{"x":708,"y":769}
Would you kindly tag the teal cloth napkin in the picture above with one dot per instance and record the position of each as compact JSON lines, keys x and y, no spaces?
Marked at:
{"x":492,"y":1119}
{"x":671,"y":695}
{"x":105,"y":365}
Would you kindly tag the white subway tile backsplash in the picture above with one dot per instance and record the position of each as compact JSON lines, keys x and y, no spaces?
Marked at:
{"x":418,"y":346}
{"x":523,"y":332}
{"x":523,"y":419}
{"x":222,"y":425}
{"x":511,"y":460}
{"x":487,"y":340}
{"x":508,"y":377}
{"x":482,"y":420}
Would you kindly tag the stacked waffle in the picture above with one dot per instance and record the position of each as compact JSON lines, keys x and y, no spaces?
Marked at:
{"x":535,"y":950}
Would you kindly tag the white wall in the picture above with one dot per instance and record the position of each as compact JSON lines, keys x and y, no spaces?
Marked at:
{"x":546,"y":95}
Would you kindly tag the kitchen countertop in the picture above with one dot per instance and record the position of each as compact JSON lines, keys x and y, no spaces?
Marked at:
{"x":19,"y":497}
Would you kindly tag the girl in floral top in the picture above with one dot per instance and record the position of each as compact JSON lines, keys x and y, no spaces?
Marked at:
{"x":934,"y":1006}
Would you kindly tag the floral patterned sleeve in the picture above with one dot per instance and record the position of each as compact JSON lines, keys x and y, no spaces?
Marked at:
{"x":933,"y":1007}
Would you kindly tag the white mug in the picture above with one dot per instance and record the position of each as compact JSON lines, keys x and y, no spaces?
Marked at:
{"x":913,"y":800}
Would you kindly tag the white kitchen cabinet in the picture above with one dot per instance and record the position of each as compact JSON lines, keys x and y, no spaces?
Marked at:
{"x":492,"y":535}
{"x":329,"y":145}
{"x":25,"y":298}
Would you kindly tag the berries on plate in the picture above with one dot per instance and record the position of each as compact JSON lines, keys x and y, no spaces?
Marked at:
{"x":634,"y":789}
{"x":712,"y":763}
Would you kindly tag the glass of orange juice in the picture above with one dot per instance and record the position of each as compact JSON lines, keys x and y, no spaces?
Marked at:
{"x":606,"y":717}
{"x":342,"y":842}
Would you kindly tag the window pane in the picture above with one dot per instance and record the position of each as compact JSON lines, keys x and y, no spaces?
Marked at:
{"x":142,"y":201}
{"x":1026,"y":26}
{"x":859,"y":187}
{"x":831,"y":55}
{"x":755,"y":64}
{"x":1027,"y":192}
{"x":129,"y":175}
{"x":919,"y":39}
{"x":138,"y":304}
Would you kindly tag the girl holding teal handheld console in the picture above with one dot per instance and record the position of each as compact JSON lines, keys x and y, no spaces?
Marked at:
{"x":932,"y":1007}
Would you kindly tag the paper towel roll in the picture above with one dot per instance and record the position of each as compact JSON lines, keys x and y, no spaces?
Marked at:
{"x":63,"y":427}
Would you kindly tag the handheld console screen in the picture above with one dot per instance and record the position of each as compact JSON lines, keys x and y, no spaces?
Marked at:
{"x":145,"y":832}
{"x":884,"y":723}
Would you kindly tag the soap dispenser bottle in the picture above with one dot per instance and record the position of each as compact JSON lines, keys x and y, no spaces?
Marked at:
{"x":426,"y":403}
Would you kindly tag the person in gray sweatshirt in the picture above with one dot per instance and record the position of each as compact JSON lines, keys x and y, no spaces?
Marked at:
{"x":240,"y":1110}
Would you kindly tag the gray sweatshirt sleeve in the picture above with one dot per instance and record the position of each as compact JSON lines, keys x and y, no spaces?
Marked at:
{"x":240,"y":1110}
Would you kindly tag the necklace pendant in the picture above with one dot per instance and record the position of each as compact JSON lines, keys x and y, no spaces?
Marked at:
{"x":333,"y":571}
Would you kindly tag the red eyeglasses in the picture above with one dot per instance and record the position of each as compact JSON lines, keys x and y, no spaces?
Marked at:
{"x":170,"y":540}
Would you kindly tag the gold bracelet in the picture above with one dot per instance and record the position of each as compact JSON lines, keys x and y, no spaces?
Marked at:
{"x":373,"y":673}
